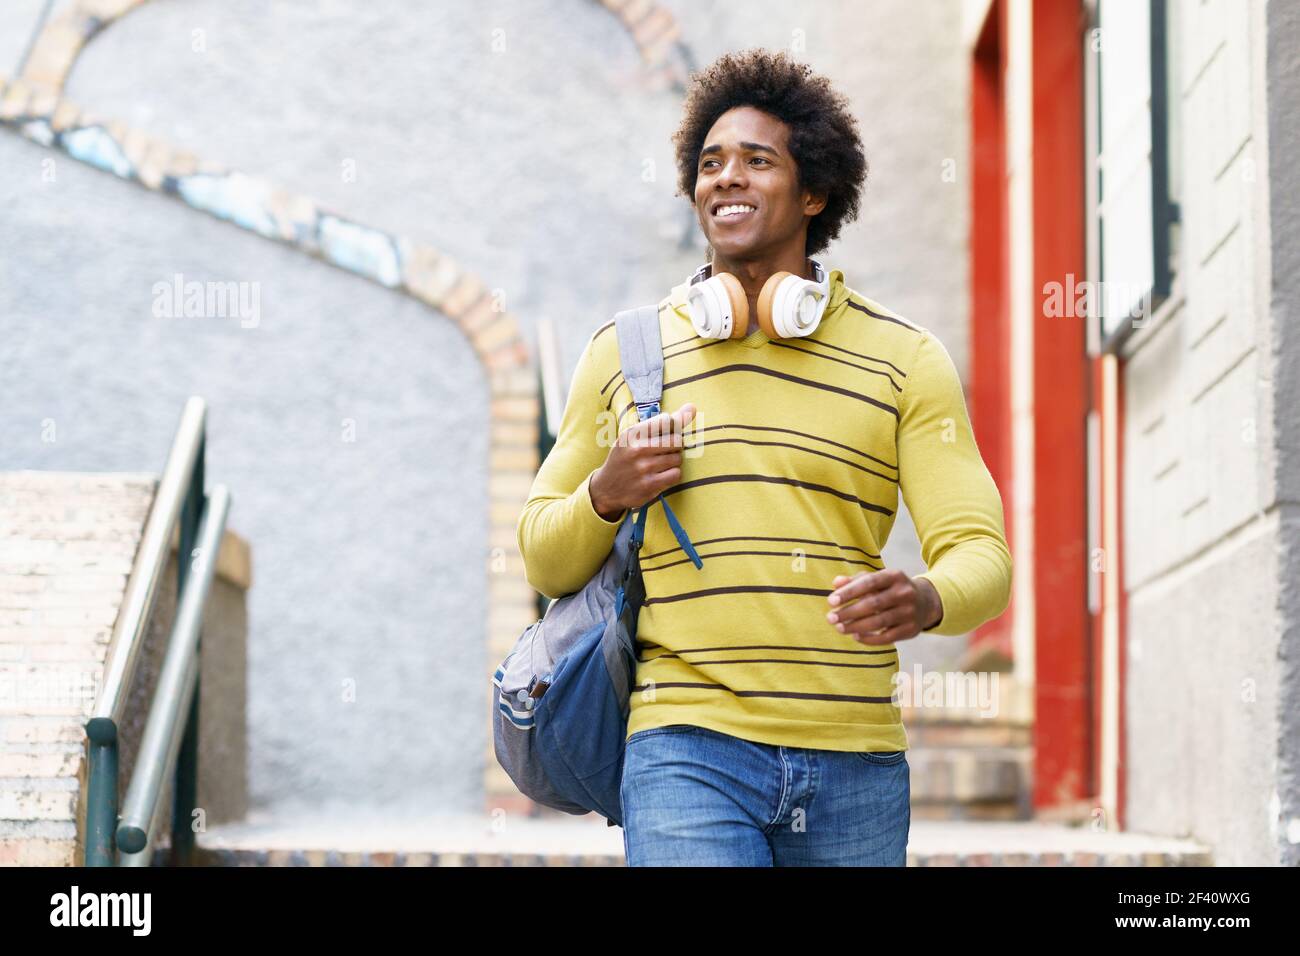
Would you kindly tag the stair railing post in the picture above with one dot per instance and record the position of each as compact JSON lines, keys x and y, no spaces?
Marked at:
{"x":185,"y":783}
{"x":101,"y":803}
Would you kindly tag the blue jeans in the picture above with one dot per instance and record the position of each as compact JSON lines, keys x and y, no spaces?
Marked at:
{"x":693,"y":796}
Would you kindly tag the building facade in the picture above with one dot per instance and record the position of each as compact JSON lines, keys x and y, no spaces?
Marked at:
{"x":1136,"y":373}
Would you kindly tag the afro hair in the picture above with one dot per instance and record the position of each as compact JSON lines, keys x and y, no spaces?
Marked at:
{"x":824,"y":138}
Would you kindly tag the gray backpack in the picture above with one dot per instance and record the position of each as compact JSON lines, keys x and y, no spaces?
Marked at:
{"x":562,"y":696}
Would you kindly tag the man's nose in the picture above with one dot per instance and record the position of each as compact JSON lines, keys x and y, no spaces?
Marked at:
{"x":733,"y":171}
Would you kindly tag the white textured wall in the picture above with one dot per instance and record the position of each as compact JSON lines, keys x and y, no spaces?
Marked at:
{"x":1201,"y":505}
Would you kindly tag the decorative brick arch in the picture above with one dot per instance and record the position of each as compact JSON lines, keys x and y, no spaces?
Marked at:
{"x":61,"y":40}
{"x":657,"y":37}
{"x":653,"y":29}
{"x":33,"y":105}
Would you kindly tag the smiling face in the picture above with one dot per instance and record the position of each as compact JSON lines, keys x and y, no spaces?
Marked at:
{"x":747,"y":193}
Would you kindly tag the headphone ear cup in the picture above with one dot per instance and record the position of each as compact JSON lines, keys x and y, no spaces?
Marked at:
{"x":765,"y":300}
{"x":735,"y":293}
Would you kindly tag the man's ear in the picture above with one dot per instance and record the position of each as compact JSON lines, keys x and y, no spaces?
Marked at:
{"x":813,"y":203}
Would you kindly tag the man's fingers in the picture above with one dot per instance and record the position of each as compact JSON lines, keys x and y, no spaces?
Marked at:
{"x":659,"y":444}
{"x":665,"y":430}
{"x":647,"y":466}
{"x":900,"y":598}
{"x":899,"y":632}
{"x":861,"y":602}
{"x":657,"y":431}
{"x":661,"y":424}
{"x":666,"y":478}
{"x":894,"y":616}
{"x":861,"y":584}
{"x":865,"y":606}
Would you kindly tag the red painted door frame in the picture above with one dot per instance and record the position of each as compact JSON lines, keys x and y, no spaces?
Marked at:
{"x":1065,"y":713}
{"x":990,"y":332}
{"x":1065,"y":771}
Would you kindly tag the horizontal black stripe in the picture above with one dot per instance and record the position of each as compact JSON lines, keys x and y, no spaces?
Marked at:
{"x":737,"y":589}
{"x":618,"y":374}
{"x":794,"y":695}
{"x":792,"y":431}
{"x":804,"y":339}
{"x":827,"y":544}
{"x":810,"y":339}
{"x":786,"y":444}
{"x":878,"y":315}
{"x":698,"y":345}
{"x":831,"y":358}
{"x":775,"y":554}
{"x":778,"y":480}
{"x":692,"y":338}
{"x":770,"y":660}
{"x":766,"y":647}
{"x":839,"y":348}
{"x":761,"y":370}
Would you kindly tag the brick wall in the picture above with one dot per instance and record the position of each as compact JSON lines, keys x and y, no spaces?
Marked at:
{"x":67,"y":543}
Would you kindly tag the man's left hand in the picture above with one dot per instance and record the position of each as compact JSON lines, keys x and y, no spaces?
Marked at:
{"x":881,"y":607}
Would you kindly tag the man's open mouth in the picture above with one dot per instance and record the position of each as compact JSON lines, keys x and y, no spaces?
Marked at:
{"x":733,"y":212}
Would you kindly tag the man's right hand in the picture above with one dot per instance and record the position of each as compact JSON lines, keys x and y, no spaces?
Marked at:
{"x":646,"y":459}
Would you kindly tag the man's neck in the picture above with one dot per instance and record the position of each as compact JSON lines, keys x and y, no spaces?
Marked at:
{"x":752,"y":275}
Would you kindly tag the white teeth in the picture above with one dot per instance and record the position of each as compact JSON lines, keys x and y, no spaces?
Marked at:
{"x":733,"y":210}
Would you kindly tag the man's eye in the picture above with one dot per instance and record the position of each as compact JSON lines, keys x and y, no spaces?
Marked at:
{"x":761,"y":159}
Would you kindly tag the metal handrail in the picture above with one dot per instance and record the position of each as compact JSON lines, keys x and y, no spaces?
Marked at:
{"x":160,"y":746}
{"x":179,"y":500}
{"x":151,"y":559}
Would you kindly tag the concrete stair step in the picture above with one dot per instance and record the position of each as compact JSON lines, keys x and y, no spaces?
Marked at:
{"x":1031,"y":843}
{"x":990,"y":733}
{"x":582,"y":841}
{"x":972,"y":763}
{"x":1001,"y":701}
{"x":958,"y":777}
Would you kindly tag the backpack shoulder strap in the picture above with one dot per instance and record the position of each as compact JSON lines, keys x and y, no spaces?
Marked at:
{"x":641,"y":355}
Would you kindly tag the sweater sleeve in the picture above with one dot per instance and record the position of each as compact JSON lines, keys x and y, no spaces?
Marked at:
{"x":950,"y":495}
{"x":562,"y":539}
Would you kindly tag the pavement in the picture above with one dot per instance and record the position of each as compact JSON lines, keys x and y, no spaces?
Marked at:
{"x":338,"y":839}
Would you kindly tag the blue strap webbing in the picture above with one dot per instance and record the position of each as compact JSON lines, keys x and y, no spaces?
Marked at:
{"x":640,"y":352}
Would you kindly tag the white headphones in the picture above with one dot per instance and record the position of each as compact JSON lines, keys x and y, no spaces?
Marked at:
{"x":789,"y":306}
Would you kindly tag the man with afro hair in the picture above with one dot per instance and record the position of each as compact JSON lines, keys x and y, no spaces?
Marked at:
{"x":764,"y":728}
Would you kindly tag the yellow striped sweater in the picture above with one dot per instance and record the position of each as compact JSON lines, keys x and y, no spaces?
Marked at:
{"x":791,"y":476}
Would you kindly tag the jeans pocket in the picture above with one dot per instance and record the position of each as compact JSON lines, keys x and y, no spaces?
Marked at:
{"x":883,"y":758}
{"x":670,"y":729}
